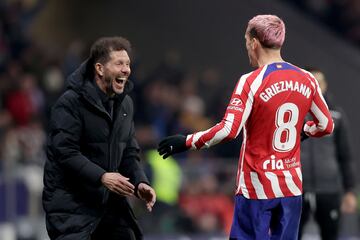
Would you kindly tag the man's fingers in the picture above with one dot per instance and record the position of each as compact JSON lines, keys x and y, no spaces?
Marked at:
{"x":120,"y":191}
{"x":125,"y":181}
{"x":149,"y":206}
{"x":124,"y":187}
{"x":127,"y":188}
{"x":123,"y":192}
{"x":128,"y":185}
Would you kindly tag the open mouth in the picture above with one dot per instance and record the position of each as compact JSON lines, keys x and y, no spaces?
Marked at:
{"x":120,"y":80}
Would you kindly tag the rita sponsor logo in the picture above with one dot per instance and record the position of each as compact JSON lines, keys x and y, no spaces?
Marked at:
{"x":279,"y":164}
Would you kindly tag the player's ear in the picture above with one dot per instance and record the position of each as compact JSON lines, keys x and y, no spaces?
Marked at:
{"x":255,"y":43}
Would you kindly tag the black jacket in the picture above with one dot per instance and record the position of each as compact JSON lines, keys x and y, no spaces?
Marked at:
{"x":327,"y":161}
{"x":85,"y":142}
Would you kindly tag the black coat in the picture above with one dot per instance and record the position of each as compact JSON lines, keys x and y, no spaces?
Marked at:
{"x":85,"y":142}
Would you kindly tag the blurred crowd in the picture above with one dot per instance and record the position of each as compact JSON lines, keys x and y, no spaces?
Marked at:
{"x":343,"y":16}
{"x":194,"y":189}
{"x":198,"y":195}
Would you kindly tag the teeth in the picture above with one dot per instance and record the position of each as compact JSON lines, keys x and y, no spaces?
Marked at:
{"x":121,"y":80}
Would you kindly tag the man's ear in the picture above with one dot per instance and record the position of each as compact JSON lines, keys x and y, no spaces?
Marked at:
{"x":99,"y":68}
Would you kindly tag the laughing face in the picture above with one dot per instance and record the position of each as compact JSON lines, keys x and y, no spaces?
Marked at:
{"x":115,"y":72}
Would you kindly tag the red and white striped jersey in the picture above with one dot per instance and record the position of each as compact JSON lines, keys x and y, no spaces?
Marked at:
{"x":269,"y":105}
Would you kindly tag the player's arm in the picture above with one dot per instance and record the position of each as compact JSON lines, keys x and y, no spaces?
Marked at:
{"x":237,"y":112}
{"x":323,"y":123}
{"x":232,"y":122}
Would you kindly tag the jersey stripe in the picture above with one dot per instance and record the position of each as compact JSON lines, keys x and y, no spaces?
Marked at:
{"x":241,"y":162}
{"x":291,"y":184}
{"x":239,"y":88}
{"x":196,"y":138}
{"x":266,"y":183}
{"x":244,"y":190}
{"x":323,"y":120}
{"x":299,"y":173}
{"x":223,"y":132}
{"x":274,"y":184}
{"x":283,"y":184}
{"x":259,"y":189}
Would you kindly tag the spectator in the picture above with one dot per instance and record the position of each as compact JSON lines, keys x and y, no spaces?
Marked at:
{"x":329,"y":181}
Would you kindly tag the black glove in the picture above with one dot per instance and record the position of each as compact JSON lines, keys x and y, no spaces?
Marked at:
{"x":172,"y":144}
{"x":303,"y":136}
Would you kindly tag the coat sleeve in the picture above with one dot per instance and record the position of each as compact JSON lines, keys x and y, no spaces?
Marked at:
{"x":65,"y":134}
{"x":130,"y":164}
{"x":344,"y":152}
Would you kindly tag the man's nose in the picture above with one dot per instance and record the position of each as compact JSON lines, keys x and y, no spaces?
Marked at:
{"x":126,"y":69}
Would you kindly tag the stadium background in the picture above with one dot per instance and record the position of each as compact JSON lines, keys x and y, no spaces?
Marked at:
{"x":187,"y":58}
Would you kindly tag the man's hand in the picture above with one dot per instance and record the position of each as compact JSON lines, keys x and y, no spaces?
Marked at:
{"x":117,"y":183}
{"x":349,"y":203}
{"x":146,"y":193}
{"x":172,"y":144}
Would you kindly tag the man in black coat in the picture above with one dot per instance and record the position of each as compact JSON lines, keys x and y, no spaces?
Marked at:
{"x":329,"y":181}
{"x":93,"y":156}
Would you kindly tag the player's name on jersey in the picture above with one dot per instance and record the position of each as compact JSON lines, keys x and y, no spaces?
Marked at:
{"x":283,"y":86}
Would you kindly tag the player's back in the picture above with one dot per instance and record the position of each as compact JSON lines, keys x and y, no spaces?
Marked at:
{"x":279,"y":108}
{"x":282,"y":97}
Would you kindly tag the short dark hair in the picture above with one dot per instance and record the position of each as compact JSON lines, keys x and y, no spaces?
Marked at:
{"x":100,"y":50}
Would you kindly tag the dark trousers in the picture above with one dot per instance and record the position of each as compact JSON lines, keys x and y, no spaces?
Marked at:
{"x":113,"y":228}
{"x":266,"y":219}
{"x":118,"y":222}
{"x":325,"y":208}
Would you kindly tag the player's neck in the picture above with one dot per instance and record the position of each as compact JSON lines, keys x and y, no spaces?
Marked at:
{"x":268,"y":57}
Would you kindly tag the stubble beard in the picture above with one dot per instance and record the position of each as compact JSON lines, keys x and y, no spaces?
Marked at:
{"x":108,"y":86}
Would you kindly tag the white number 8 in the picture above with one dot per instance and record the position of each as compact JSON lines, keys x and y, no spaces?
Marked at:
{"x":288,"y":127}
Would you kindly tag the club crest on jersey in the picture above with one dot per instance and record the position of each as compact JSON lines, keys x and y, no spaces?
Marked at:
{"x":273,"y":164}
{"x":236,"y":102}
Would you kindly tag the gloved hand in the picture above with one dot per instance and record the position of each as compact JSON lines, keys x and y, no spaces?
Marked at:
{"x":307,"y":125}
{"x":303,"y":136}
{"x":172,"y":144}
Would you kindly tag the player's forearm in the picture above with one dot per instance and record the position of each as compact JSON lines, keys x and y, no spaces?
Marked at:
{"x":224,"y":131}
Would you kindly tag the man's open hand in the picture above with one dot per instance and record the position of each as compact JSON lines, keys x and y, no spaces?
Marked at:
{"x":146,"y":193}
{"x":117,"y":183}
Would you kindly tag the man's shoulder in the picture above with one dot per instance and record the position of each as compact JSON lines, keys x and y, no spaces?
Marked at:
{"x":251,"y":76}
{"x":128,"y":100}
{"x":68,"y":97}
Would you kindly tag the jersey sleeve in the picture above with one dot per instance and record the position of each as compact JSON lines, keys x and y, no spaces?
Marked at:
{"x":237,"y":112}
{"x":322,"y":123}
